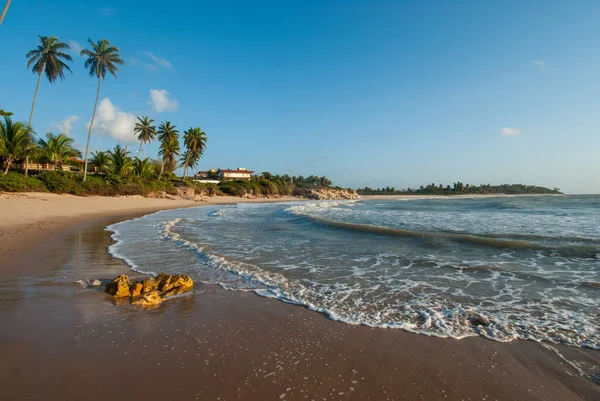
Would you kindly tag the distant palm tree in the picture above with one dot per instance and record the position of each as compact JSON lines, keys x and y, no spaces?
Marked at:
{"x":4,"y":11}
{"x":47,"y":59}
{"x":168,"y":151}
{"x":194,"y":140}
{"x":188,"y":160}
{"x":169,"y":140}
{"x":15,"y":140}
{"x":102,"y":58}
{"x":57,"y":149}
{"x":99,"y":160}
{"x":143,"y":168}
{"x":119,"y":162}
{"x":145,"y":130}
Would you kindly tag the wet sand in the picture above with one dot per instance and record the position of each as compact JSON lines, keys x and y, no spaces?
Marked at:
{"x":59,"y":341}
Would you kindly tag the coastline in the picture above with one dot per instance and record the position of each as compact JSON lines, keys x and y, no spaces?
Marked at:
{"x":63,"y":340}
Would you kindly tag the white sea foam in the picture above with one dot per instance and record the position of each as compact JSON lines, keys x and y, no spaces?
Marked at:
{"x":449,"y":290}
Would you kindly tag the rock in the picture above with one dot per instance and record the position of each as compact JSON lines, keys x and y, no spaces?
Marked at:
{"x":322,"y":193}
{"x":119,"y":286}
{"x":477,"y":319}
{"x":152,"y":298}
{"x":151,"y":291}
{"x":89,"y":283}
{"x":136,"y":288}
{"x":167,"y":282}
{"x":148,"y":285}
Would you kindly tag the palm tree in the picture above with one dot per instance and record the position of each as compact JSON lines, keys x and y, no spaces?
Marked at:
{"x":143,"y":167}
{"x":169,"y":137}
{"x":99,"y":160}
{"x":4,"y":11}
{"x":102,"y":58}
{"x":119,"y":162}
{"x":168,"y":151}
{"x":146,"y":132}
{"x":47,"y":59}
{"x":194,"y":140}
{"x":57,"y":149}
{"x":188,"y":159}
{"x":15,"y":140}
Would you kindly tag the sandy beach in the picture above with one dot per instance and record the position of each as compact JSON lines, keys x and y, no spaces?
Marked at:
{"x":60,"y":341}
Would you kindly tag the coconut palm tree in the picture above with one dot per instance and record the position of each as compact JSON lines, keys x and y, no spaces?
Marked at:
{"x":168,"y":136}
{"x":101,"y":58}
{"x":194,"y":140}
{"x":99,"y":160}
{"x":15,"y":140}
{"x":4,"y":11}
{"x":119,"y":162}
{"x":168,"y":151}
{"x":57,"y":149}
{"x":145,"y":130}
{"x":143,"y":168}
{"x":188,"y":159}
{"x":47,"y":59}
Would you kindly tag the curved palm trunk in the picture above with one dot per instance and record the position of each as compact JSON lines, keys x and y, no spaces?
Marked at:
{"x":8,"y":163}
{"x":4,"y":11}
{"x":87,"y":147}
{"x":184,"y":171}
{"x":162,"y":168}
{"x":139,"y":154}
{"x":37,"y":87}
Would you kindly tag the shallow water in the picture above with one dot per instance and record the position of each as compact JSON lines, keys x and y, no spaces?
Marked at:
{"x":501,"y":267}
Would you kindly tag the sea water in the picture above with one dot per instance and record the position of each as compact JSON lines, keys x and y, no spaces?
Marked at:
{"x":499,"y":267}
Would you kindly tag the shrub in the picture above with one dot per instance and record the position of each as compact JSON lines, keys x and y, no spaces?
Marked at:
{"x":96,"y":185}
{"x":60,"y":182}
{"x":15,"y":182}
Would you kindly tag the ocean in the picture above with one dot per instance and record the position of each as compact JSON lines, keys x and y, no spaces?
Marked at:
{"x":520,"y":267}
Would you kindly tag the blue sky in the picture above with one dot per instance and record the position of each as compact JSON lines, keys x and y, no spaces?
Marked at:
{"x":367,"y":93}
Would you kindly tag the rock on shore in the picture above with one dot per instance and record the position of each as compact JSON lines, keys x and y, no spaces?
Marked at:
{"x":151,"y":291}
{"x":324,"y":193}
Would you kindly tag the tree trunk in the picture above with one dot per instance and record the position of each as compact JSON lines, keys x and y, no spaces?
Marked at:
{"x":37,"y":87}
{"x":4,"y":11}
{"x":162,"y":169}
{"x":184,"y":172}
{"x":8,"y":162}
{"x":140,"y":151}
{"x":87,"y":147}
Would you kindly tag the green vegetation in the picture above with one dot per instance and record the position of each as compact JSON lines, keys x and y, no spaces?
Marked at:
{"x":458,"y":188}
{"x":15,"y":182}
{"x":102,"y":58}
{"x":56,"y":149}
{"x":169,"y":145}
{"x":145,"y":130}
{"x":194,"y":140}
{"x":64,"y":182}
{"x":46,"y":59}
{"x":15,"y":141}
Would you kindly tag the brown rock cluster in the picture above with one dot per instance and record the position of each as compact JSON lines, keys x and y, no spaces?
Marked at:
{"x":151,"y":291}
{"x":324,"y":193}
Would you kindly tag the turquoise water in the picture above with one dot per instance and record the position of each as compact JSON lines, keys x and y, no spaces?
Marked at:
{"x":500,"y":267}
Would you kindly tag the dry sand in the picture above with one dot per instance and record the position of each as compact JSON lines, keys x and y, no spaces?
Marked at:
{"x":59,"y":341}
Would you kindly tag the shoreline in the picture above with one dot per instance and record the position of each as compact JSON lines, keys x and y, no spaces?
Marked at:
{"x":232,"y":344}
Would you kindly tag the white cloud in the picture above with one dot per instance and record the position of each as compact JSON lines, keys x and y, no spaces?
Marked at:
{"x":113,"y":122}
{"x":66,"y":125}
{"x":150,"y":67}
{"x":76,"y":47}
{"x":510,"y":131}
{"x":160,"y":100}
{"x":134,"y":60}
{"x":541,"y":64}
{"x":163,"y":62}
